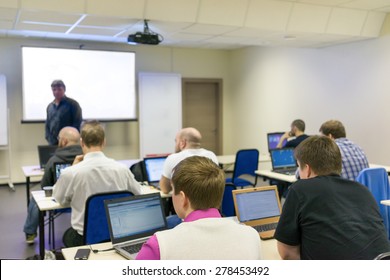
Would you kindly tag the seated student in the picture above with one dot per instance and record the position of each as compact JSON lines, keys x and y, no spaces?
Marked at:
{"x":353,"y":157}
{"x":297,"y":131}
{"x":198,"y":186}
{"x":90,"y":173}
{"x":68,"y":148}
{"x":326,"y":216}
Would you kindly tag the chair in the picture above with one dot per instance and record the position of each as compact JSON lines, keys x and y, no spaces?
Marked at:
{"x":246,"y":164}
{"x":227,"y":207}
{"x":383,"y":256}
{"x":377,"y":181}
{"x":95,"y":220}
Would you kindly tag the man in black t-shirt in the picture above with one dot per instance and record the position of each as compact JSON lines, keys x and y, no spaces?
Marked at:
{"x":326,"y":216}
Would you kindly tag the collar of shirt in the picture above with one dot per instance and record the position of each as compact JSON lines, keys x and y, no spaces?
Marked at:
{"x":201,"y":214}
{"x":91,"y":155}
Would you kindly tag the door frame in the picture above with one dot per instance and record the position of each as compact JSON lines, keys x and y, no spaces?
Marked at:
{"x":219,"y":114}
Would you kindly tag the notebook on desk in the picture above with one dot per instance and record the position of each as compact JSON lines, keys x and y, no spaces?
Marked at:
{"x":45,"y":152}
{"x":133,"y":220}
{"x":273,"y":139}
{"x":283,"y":161}
{"x":259,"y":208}
{"x":154,"y":167}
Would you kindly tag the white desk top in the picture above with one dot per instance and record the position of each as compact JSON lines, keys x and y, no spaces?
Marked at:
{"x":32,"y":171}
{"x":46,"y":203}
{"x":385,"y":202}
{"x":276,"y":176}
{"x":268,"y":249}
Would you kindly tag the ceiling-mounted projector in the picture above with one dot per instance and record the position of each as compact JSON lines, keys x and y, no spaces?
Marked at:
{"x":147,"y":37}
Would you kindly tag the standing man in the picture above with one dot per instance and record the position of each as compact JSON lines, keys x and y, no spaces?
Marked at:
{"x":62,"y":111}
{"x":187,"y":144}
{"x":326,"y":217}
{"x":353,"y":157}
{"x":297,"y":131}
{"x":90,"y":173}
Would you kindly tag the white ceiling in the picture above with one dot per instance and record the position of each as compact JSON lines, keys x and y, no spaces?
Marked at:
{"x":219,"y":24}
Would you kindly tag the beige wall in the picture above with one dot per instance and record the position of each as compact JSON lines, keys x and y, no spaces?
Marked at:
{"x":122,"y":137}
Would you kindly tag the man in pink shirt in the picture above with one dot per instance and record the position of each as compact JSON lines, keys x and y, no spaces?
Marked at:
{"x":198,"y":186}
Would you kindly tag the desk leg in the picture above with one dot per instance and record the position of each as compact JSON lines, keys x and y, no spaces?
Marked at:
{"x":28,"y":190}
{"x":42,"y":234}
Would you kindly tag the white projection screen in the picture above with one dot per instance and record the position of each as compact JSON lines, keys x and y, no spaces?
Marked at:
{"x":103,"y":82}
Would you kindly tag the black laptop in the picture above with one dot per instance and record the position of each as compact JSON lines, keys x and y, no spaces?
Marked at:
{"x":273,"y":139}
{"x":45,"y":152}
{"x":283,"y":161}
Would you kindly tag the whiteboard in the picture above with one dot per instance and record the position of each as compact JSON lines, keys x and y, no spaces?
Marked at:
{"x":3,"y":112}
{"x":160,"y":112}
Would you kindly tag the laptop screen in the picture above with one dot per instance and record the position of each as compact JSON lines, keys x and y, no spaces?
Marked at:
{"x":274,"y":138}
{"x":45,"y":152}
{"x":283,"y":158}
{"x":154,"y":168}
{"x":256,"y":205}
{"x":134,"y":217}
{"x":58,"y":167}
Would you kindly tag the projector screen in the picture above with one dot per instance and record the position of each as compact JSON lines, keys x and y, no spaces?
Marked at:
{"x":102,"y":82}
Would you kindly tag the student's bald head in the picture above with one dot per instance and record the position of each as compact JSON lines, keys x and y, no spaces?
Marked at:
{"x":68,"y":136}
{"x":192,"y":136}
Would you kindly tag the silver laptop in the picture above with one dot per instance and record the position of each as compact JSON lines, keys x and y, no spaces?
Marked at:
{"x":283,"y":161}
{"x":133,"y":220}
{"x":154,"y":167}
{"x":259,"y":208}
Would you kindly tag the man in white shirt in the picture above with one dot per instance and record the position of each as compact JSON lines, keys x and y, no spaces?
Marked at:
{"x":187,"y":144}
{"x":90,"y":173}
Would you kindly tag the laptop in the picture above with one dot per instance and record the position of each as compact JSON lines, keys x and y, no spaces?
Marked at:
{"x":283,"y":161}
{"x":133,"y":220}
{"x":259,"y":208}
{"x":154,"y":167}
{"x":45,"y":152}
{"x":273,"y":139}
{"x":58,"y":167}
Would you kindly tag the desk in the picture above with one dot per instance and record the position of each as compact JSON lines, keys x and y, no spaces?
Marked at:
{"x":385,"y":202}
{"x":268,"y":249}
{"x":268,"y":174}
{"x":227,"y":161}
{"x":31,"y":171}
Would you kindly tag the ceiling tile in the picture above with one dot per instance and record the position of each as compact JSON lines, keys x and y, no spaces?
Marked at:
{"x":95,"y":31}
{"x":267,"y":14}
{"x":47,"y":17}
{"x":6,"y":24}
{"x":209,"y":29}
{"x":373,"y":25}
{"x":107,"y":21}
{"x":172,"y":10}
{"x":8,"y":13}
{"x":9,"y":4}
{"x":120,"y":8}
{"x":367,"y":4}
{"x":309,"y":18}
{"x":346,"y":21}
{"x":325,"y":2}
{"x":231,"y":13}
{"x":73,"y":6}
{"x":43,"y":27}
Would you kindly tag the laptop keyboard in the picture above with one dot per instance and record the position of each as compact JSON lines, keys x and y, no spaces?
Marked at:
{"x":286,"y":172}
{"x":266,"y":227}
{"x":134,"y":248}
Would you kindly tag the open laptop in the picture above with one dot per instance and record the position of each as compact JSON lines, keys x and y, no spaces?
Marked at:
{"x":45,"y":152}
{"x":259,"y":208}
{"x":133,"y":220}
{"x":58,"y":167}
{"x":273,"y":139}
{"x":154,"y":167}
{"x":283,"y":161}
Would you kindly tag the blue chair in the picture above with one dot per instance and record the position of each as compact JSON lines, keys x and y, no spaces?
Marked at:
{"x":227,"y":207}
{"x":246,"y":164}
{"x":95,"y":220}
{"x":377,"y":181}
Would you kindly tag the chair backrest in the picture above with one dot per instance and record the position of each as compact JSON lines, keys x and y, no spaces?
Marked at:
{"x":383,"y":256}
{"x":227,"y":207}
{"x":377,"y":181}
{"x":247,"y":162}
{"x":95,"y":220}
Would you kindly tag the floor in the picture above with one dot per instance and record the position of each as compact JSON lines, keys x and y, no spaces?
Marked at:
{"x":13,"y":212}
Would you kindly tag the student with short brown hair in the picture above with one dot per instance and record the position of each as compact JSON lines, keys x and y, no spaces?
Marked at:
{"x":198,"y":186}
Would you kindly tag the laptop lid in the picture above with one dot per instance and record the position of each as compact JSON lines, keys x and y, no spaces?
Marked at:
{"x":154,"y":167}
{"x":258,"y":206}
{"x":45,"y":152}
{"x":134,"y":218}
{"x":273,"y":139}
{"x":283,"y":159}
{"x":58,"y":168}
